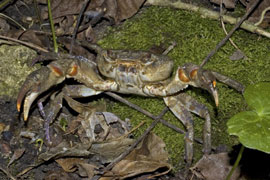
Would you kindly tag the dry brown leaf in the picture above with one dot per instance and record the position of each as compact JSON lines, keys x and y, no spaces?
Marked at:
{"x":61,"y":8}
{"x":214,"y":166}
{"x":64,"y":150}
{"x":104,"y":151}
{"x":237,"y":55}
{"x":16,"y":155}
{"x":5,"y":149}
{"x":2,"y":127}
{"x":117,"y":10}
{"x":149,"y":156}
{"x":58,"y":174}
{"x":72,"y":164}
{"x":108,"y":151}
{"x":86,"y":170}
{"x":40,"y":40}
{"x":69,"y":164}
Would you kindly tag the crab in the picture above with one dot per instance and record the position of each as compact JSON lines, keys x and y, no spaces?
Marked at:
{"x":128,"y":72}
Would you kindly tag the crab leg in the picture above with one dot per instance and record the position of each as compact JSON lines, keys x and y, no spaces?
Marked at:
{"x":186,"y":118}
{"x":54,"y":107}
{"x":77,"y":91}
{"x":56,"y":101}
{"x":201,"y":110}
{"x":181,"y":105}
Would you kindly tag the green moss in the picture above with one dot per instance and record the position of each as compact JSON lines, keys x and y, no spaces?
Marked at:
{"x":14,"y":68}
{"x":195,"y":38}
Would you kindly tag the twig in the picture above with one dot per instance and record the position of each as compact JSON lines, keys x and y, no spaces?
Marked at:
{"x":262,"y":16}
{"x":169,"y":48}
{"x":237,"y":25}
{"x":223,"y":25}
{"x":13,"y":20}
{"x":77,"y":25}
{"x":215,"y":15}
{"x":4,"y":170}
{"x":248,"y":26}
{"x":134,"y":106}
{"x":33,"y":46}
{"x":133,"y":129}
{"x":124,"y":154}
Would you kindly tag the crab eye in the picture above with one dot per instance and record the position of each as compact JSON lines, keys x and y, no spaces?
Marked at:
{"x":74,"y":70}
{"x":214,"y":83}
{"x":182,"y":76}
{"x":56,"y":70}
{"x":193,"y":73}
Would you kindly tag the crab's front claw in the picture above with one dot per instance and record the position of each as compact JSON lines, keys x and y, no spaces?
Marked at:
{"x":36,"y":83}
{"x":213,"y":91}
{"x":206,"y":80}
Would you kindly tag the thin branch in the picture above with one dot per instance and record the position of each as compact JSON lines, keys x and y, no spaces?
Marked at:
{"x":262,"y":16}
{"x":4,"y":170}
{"x":33,"y":46}
{"x":237,"y":25}
{"x":86,"y":2}
{"x":223,"y":25}
{"x":13,"y":20}
{"x":207,"y":13}
{"x":214,"y":15}
{"x":134,"y":106}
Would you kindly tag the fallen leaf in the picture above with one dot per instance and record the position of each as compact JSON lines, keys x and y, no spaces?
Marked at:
{"x":86,"y":170}
{"x":16,"y":155}
{"x":2,"y":127}
{"x":214,"y":167}
{"x":58,"y":174}
{"x":69,"y":164}
{"x":149,"y":156}
{"x":237,"y":55}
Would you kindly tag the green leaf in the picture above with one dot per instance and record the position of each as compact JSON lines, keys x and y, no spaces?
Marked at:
{"x":258,"y":97}
{"x":253,"y":127}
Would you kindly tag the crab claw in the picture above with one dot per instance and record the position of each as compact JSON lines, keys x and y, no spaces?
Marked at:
{"x":214,"y":92}
{"x":36,"y":83}
{"x":208,"y":82}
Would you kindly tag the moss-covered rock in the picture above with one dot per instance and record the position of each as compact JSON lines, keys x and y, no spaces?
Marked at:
{"x":195,"y":37}
{"x":14,"y":68}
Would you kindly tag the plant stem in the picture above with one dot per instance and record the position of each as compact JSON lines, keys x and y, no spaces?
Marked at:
{"x":4,"y":3}
{"x":52,"y":27}
{"x":239,"y":156}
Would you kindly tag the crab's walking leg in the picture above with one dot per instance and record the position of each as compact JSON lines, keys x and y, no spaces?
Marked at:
{"x":185,"y":117}
{"x":57,"y":100}
{"x":181,"y":105}
{"x":78,"y":91}
{"x":201,"y":110}
{"x":54,"y":107}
